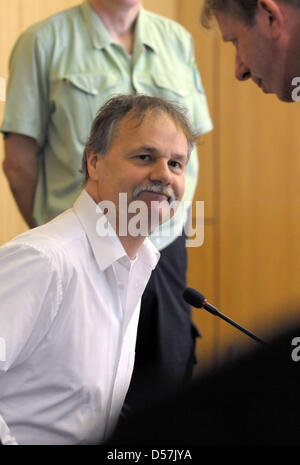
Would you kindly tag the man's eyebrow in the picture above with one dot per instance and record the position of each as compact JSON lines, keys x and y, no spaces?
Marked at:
{"x":146,"y":148}
{"x":152,"y":150}
{"x":180,"y":157}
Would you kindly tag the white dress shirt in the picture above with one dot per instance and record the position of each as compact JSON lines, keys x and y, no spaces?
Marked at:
{"x":69,"y":309}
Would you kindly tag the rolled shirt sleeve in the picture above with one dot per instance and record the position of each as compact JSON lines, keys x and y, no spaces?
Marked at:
{"x":27,"y":92}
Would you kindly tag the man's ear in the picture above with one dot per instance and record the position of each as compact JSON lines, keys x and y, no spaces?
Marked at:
{"x":271,"y":14}
{"x":91,"y":161}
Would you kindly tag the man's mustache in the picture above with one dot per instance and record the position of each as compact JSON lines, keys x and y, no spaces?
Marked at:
{"x":157,"y":189}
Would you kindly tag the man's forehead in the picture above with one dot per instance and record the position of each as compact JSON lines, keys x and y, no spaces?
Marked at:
{"x":136,"y":132}
{"x":133,"y":122}
{"x":227,"y":24}
{"x":231,"y":26}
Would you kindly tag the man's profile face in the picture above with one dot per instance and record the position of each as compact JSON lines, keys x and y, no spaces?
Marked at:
{"x":153,"y":153}
{"x":257,"y":55}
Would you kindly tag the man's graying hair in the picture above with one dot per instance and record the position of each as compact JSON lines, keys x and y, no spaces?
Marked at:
{"x":243,"y":9}
{"x":110,"y":115}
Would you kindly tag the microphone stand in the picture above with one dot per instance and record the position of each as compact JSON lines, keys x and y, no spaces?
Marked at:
{"x":211,"y":309}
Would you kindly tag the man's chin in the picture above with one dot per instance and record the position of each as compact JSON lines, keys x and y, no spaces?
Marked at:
{"x":159,"y":215}
{"x":286,"y":96}
{"x":284,"y":93}
{"x":146,"y":216}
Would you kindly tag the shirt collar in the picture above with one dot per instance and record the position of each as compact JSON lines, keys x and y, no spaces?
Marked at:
{"x":108,"y":249}
{"x":100,"y":36}
{"x":98,"y":33}
{"x":143,"y":32}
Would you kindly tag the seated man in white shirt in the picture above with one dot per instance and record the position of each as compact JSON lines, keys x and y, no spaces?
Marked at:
{"x":70,"y":290}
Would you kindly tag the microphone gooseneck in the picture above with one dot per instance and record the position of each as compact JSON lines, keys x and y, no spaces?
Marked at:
{"x":197,"y":300}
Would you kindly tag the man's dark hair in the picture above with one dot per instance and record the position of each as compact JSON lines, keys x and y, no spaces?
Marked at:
{"x":243,"y":9}
{"x":106,"y":124}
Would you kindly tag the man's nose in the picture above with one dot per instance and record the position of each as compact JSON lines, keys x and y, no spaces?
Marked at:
{"x":242,"y":73}
{"x":160,"y":172}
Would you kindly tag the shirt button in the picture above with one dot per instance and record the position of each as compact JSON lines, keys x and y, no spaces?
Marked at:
{"x":94,"y":92}
{"x":181,"y":92}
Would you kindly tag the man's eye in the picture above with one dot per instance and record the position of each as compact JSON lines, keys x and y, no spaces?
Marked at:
{"x":144,"y":157}
{"x":175,"y":164}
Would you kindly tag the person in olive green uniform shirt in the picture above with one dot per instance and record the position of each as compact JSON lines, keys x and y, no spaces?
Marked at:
{"x":62,"y":70}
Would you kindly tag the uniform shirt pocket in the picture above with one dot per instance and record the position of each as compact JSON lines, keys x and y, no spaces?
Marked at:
{"x":76,"y":99}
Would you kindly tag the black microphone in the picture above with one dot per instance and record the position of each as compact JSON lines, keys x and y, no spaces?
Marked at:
{"x":194,"y":298}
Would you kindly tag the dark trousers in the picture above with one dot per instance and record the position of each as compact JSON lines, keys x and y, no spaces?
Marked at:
{"x":165,"y":348}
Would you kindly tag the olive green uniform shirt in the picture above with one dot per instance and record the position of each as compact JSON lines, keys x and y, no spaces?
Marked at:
{"x":64,"y":68}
